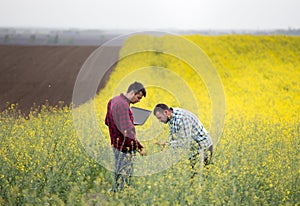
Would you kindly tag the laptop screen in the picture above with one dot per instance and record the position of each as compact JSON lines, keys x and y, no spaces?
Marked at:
{"x":140,"y":115}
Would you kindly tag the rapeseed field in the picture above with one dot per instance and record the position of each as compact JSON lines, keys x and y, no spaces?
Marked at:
{"x":50,"y":159}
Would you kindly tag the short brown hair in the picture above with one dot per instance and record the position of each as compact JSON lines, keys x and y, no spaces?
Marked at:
{"x":137,"y":87}
{"x":160,"y":108}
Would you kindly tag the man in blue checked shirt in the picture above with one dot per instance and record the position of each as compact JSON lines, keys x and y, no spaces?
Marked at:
{"x":185,"y":130}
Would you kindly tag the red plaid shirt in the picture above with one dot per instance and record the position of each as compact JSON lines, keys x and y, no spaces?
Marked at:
{"x":119,"y":119}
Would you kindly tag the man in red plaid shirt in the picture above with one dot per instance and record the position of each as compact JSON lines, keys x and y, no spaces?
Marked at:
{"x":119,"y":119}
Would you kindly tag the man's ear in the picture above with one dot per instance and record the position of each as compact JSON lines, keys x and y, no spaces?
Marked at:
{"x":166,"y":112}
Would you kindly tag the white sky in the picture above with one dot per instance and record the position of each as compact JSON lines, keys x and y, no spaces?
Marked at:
{"x":151,"y":14}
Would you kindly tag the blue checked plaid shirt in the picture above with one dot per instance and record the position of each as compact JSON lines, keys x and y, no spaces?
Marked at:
{"x":184,"y":127}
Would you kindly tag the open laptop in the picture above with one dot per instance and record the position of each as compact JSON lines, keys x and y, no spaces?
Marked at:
{"x":140,"y":115}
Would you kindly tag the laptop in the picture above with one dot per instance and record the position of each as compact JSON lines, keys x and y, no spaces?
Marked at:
{"x":140,"y":115}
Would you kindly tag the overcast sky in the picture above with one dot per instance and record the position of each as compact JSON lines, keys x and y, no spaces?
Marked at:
{"x":151,"y":14}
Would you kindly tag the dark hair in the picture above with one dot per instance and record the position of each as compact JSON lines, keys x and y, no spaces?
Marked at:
{"x":137,"y":87}
{"x":160,"y":108}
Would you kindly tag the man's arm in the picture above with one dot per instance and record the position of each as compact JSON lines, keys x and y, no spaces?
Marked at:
{"x":122,"y":120}
{"x":124,"y":124}
{"x":180,"y":133}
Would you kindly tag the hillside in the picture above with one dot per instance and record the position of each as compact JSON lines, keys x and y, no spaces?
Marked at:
{"x":257,"y":72}
{"x":32,"y":75}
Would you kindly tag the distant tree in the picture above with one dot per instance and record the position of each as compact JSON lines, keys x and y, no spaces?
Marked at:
{"x":53,"y":40}
{"x":71,"y":41}
{"x":32,"y":38}
{"x":6,"y":38}
{"x":56,"y":39}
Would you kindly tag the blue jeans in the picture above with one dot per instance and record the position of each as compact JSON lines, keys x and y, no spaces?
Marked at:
{"x":123,"y":170}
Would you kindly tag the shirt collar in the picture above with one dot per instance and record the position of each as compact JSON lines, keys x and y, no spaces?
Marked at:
{"x":172,"y":119}
{"x":125,"y":98}
{"x":174,"y":115}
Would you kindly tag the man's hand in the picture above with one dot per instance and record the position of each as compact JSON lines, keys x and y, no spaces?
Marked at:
{"x":162,"y":144}
{"x":142,"y":152}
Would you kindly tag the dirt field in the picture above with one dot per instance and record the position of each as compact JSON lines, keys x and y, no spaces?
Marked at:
{"x":33,"y":74}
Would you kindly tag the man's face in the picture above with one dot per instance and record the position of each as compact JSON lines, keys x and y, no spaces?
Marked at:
{"x":136,"y":98}
{"x":162,"y":117}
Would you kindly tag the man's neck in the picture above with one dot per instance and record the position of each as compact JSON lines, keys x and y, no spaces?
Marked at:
{"x":170,"y":117}
{"x":128,"y":96}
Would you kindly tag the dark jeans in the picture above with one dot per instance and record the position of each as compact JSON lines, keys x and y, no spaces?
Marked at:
{"x":123,"y":170}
